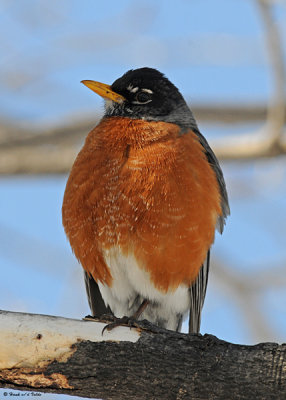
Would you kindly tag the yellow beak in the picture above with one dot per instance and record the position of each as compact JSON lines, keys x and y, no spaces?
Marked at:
{"x":103,"y":90}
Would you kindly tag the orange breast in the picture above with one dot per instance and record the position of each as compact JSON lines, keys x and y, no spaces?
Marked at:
{"x":141,"y":186}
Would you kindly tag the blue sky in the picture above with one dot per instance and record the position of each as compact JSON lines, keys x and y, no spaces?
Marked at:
{"x":49,"y":49}
{"x":215,"y":53}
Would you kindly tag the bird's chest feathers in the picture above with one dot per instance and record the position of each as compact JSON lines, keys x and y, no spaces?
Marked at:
{"x":153,"y":195}
{"x":133,"y":185}
{"x":145,"y":181}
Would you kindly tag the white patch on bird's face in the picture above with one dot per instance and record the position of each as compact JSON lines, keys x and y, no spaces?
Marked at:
{"x":111,"y":105}
{"x":130,"y":281}
{"x":147,"y":91}
{"x":108,"y":105}
{"x":132,"y":89}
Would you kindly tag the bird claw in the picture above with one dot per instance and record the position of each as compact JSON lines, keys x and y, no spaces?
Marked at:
{"x":102,"y":318}
{"x":89,"y":318}
{"x":124,"y":321}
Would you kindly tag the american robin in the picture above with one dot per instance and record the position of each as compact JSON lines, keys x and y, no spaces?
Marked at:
{"x":142,"y":202}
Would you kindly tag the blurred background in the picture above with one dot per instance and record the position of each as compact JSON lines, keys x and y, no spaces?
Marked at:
{"x":227,"y":57}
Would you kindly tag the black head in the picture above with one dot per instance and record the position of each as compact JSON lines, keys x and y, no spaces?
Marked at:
{"x":145,"y":93}
{"x":151,"y":96}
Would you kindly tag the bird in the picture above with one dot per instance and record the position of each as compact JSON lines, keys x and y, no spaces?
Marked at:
{"x":143,"y":200}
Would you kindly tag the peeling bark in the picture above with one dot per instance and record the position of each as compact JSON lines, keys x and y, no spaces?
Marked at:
{"x":158,"y":364}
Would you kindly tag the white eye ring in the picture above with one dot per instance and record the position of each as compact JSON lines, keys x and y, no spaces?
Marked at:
{"x":143,"y":97}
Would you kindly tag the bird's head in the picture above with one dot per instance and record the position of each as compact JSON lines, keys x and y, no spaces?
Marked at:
{"x":144,"y":93}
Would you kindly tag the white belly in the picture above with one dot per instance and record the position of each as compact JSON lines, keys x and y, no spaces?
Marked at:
{"x":131,"y":285}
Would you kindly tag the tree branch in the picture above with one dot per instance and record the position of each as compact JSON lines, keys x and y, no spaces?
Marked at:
{"x":60,"y":355}
{"x":53,"y":150}
{"x":270,"y":141}
{"x":276,"y":111}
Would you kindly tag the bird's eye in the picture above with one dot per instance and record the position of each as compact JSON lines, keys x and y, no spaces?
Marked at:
{"x":142,"y":97}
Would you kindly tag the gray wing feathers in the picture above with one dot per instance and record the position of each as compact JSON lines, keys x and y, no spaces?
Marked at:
{"x":197,"y":295}
{"x":95,"y":300}
{"x":219,"y":175}
{"x":198,"y":289}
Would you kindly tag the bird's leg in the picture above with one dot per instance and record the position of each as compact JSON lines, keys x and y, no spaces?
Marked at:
{"x":129,"y":321}
{"x":140,"y":310}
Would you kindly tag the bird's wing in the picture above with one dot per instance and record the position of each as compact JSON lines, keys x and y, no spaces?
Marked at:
{"x":95,"y":300}
{"x":219,"y":175}
{"x":198,"y":288}
{"x":197,"y":295}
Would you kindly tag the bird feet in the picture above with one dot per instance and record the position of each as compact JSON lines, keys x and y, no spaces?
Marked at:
{"x":131,"y":322}
{"x":114,"y":322}
{"x":103,"y":318}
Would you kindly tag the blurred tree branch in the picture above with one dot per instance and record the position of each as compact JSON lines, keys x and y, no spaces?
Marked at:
{"x":270,"y":141}
{"x":52,"y":150}
{"x":276,"y":111}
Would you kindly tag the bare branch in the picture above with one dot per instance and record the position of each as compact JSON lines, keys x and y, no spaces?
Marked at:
{"x":253,"y":145}
{"x":270,"y":140}
{"x":276,"y":111}
{"x":53,"y":149}
{"x":53,"y":354}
